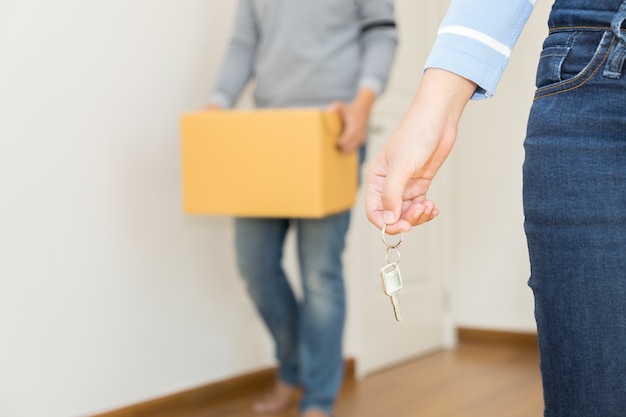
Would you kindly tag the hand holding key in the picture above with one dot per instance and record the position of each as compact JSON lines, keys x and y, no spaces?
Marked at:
{"x":390,"y":275}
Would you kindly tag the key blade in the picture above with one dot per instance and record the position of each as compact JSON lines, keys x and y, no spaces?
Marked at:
{"x":395,"y":301}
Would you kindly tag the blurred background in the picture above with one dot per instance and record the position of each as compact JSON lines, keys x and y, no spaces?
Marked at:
{"x":110,"y":295}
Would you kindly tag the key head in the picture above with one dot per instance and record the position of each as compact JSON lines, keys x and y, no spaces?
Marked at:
{"x":392,"y":281}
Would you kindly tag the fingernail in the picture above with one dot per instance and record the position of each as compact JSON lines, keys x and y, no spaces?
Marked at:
{"x":389,"y":217}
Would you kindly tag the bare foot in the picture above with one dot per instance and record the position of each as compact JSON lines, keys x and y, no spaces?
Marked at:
{"x":276,"y":401}
{"x":314,"y":412}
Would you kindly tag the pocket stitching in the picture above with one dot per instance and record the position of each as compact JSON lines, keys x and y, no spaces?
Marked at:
{"x":577,"y":78}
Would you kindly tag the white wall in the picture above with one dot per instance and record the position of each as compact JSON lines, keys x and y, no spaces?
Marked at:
{"x":109,"y":295}
{"x":489,"y":257}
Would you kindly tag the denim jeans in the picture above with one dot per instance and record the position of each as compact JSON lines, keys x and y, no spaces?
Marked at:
{"x":308,"y":332}
{"x":575,"y":209}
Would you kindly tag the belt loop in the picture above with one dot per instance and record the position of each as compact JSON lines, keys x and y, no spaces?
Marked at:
{"x":616,"y":23}
{"x":615,"y":63}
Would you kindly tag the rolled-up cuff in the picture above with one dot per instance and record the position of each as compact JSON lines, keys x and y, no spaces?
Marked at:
{"x":475,"y":61}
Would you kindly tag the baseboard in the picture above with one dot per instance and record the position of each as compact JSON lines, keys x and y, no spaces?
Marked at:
{"x":466,"y":335}
{"x":217,"y":392}
{"x":259,"y":381}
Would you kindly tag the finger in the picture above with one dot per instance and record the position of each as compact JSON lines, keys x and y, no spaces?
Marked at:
{"x":347,"y":134}
{"x":339,"y":107}
{"x":346,"y":141}
{"x":401,"y":226}
{"x":420,"y":213}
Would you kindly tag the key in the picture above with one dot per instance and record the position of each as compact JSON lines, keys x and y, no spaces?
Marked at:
{"x":392,"y":284}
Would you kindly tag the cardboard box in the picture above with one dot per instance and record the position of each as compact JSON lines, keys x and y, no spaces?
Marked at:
{"x":266,"y":163}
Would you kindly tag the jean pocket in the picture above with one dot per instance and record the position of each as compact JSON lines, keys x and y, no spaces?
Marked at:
{"x":550,"y":64}
{"x":569,"y":59}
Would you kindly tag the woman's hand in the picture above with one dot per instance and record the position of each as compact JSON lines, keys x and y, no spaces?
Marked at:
{"x":398,"y":179}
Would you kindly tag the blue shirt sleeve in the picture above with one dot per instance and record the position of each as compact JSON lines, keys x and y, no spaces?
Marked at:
{"x":476,"y":37}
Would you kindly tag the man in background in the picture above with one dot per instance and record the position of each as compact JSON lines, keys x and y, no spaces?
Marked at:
{"x":303,"y":53}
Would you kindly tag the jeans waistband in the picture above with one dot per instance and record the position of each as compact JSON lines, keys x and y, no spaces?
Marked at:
{"x":604,"y":15}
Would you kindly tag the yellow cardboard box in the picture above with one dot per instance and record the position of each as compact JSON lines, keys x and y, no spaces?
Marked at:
{"x":266,"y":163}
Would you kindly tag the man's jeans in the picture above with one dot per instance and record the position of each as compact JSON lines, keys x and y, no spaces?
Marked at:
{"x":575,"y":208}
{"x":308,"y":332}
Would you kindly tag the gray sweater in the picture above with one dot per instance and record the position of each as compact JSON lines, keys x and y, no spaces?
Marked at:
{"x":307,"y":53}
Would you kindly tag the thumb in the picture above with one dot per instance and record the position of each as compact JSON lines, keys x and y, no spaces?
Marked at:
{"x":339,"y":107}
{"x":335,"y":106}
{"x":346,"y":120}
{"x":393,"y":190}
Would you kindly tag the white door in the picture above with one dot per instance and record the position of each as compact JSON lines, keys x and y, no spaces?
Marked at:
{"x":426,"y":326}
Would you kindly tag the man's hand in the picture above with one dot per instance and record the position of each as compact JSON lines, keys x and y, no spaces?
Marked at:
{"x":355,"y":118}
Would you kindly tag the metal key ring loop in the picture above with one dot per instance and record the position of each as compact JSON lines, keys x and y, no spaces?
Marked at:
{"x":397,"y":261}
{"x":389,"y":246}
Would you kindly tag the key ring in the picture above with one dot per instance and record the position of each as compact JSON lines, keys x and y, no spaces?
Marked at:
{"x":397,"y":261}
{"x":387,"y":243}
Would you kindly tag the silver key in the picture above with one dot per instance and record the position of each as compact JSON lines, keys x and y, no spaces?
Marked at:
{"x":392,"y":284}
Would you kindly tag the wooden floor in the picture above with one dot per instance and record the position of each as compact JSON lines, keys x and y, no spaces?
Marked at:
{"x":475,"y":380}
